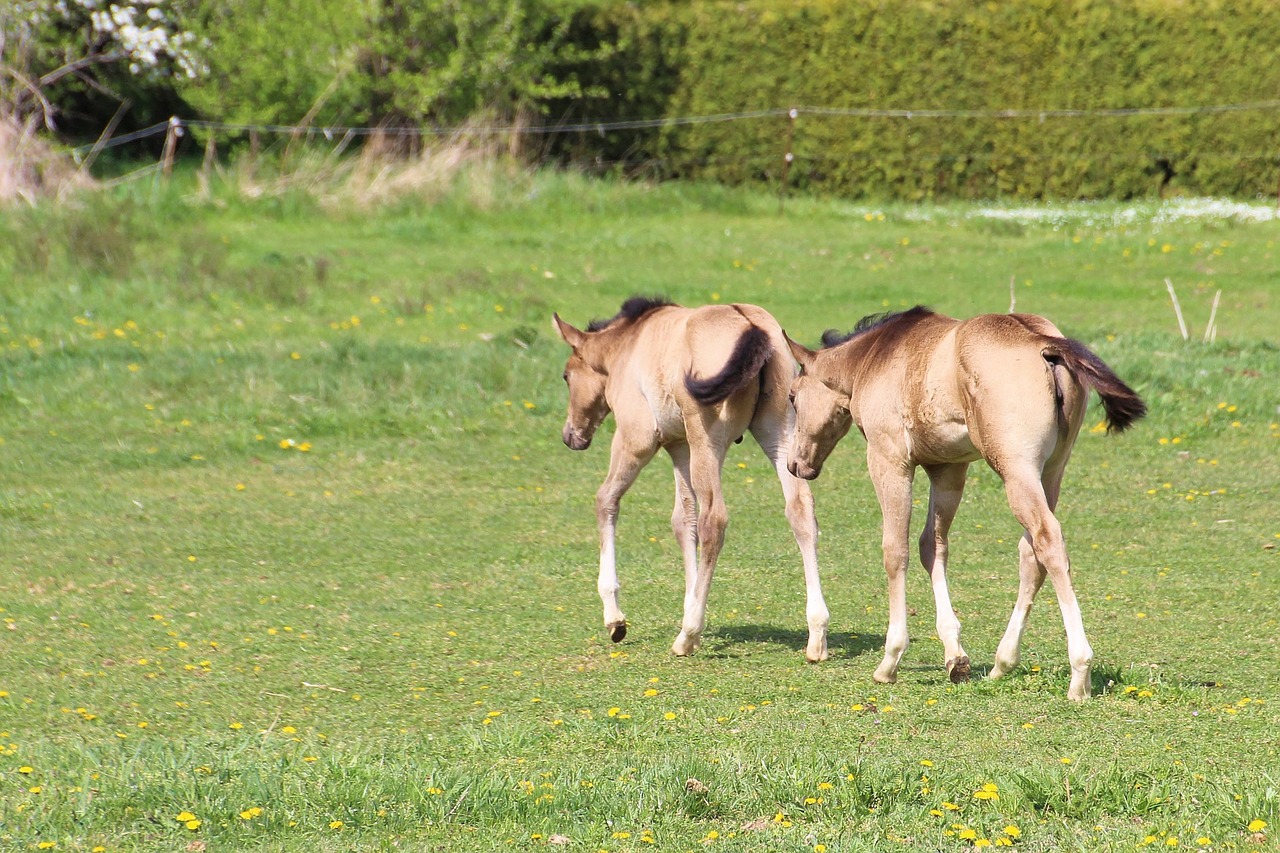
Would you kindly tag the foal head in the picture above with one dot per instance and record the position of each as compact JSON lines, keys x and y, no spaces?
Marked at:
{"x":586,"y":376}
{"x":821,"y":403}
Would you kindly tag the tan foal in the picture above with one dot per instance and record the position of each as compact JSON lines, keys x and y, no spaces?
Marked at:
{"x":690,"y":381}
{"x":931,"y":391}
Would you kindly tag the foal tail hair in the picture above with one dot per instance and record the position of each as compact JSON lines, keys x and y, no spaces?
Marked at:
{"x":745,"y":363}
{"x":1121,"y":403}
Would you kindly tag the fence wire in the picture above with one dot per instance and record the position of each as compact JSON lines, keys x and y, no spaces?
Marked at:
{"x":331,"y":132}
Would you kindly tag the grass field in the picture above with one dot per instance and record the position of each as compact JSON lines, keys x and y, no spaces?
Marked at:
{"x":294,"y":558}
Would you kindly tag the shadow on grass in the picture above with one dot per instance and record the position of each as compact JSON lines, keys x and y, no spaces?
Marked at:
{"x":724,"y":639}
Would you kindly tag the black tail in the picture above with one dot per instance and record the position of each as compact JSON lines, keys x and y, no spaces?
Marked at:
{"x":749,"y":356}
{"x":1121,"y":403}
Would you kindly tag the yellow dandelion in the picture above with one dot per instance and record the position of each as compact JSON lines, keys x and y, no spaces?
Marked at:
{"x":336,"y":824}
{"x":1257,"y":825}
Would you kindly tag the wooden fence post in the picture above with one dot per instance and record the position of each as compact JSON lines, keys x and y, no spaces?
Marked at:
{"x":170,"y":145}
{"x":792,"y":115}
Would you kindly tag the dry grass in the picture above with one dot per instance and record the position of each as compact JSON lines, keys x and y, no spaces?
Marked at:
{"x":475,"y":162}
{"x":31,"y":168}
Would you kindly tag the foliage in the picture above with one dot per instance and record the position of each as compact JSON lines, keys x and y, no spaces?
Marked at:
{"x":444,"y":61}
{"x":295,"y":559}
{"x":382,"y":62}
{"x":275,"y":61}
{"x":49,"y":51}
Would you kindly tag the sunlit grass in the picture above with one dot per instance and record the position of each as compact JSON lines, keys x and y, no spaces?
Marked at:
{"x":295,"y":559}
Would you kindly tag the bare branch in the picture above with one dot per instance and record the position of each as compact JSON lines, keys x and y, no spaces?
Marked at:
{"x":32,"y":89}
{"x":72,"y":67}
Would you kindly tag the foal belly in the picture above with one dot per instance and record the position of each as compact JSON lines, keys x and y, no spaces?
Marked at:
{"x":936,"y":443}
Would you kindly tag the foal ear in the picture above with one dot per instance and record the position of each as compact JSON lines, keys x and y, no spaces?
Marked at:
{"x":571,"y":336}
{"x":802,"y":354}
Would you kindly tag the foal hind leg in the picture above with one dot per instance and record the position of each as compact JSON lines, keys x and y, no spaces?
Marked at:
{"x":1031,"y":575}
{"x":771,"y":435}
{"x":946,"y":489}
{"x":706,"y":459}
{"x":684,"y":516}
{"x":1029,"y":502}
{"x":893,"y":488}
{"x":624,"y":465}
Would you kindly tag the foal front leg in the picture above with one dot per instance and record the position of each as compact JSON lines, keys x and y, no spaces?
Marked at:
{"x":1030,"y":578}
{"x":704,"y":468}
{"x":774,"y":439}
{"x":946,"y":486}
{"x":624,"y":465}
{"x":893,"y":487}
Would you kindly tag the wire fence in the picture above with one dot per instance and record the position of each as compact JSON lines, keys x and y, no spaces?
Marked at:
{"x":178,"y":124}
{"x":636,"y":157}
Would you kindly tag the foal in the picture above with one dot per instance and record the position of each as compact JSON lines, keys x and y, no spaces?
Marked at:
{"x":927,"y":390}
{"x":690,"y":381}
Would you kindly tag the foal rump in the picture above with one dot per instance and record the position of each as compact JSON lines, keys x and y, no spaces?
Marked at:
{"x":1121,"y":403}
{"x":748,"y":358}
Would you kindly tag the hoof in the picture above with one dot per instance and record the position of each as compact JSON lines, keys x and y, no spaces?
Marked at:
{"x":816,"y":658}
{"x":958,"y":670}
{"x":884,"y":678}
{"x":617,"y":631}
{"x":685,"y":645}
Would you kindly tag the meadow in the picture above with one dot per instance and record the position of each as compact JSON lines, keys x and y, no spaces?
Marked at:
{"x":294,"y":558}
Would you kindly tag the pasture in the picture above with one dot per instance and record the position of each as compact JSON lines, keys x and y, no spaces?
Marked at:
{"x":295,"y":559}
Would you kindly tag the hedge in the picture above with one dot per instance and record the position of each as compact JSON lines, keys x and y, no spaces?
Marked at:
{"x":436,"y":63}
{"x":1033,"y":55}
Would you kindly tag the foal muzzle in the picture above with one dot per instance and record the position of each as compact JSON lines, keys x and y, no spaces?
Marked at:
{"x":574,"y":439}
{"x":803,"y":470}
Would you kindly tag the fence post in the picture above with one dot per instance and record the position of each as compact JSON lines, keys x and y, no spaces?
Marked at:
{"x":792,"y":115}
{"x":170,"y":145}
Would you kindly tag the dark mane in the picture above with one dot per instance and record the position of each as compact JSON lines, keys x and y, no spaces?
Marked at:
{"x":633,"y":309}
{"x":832,"y":338}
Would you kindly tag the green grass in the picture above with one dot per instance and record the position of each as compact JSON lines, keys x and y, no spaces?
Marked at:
{"x":391,"y":622}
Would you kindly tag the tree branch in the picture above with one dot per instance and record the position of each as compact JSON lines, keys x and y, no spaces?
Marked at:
{"x":72,"y":67}
{"x":30,"y":89}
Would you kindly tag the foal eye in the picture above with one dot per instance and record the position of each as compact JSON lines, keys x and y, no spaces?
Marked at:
{"x":565,"y":376}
